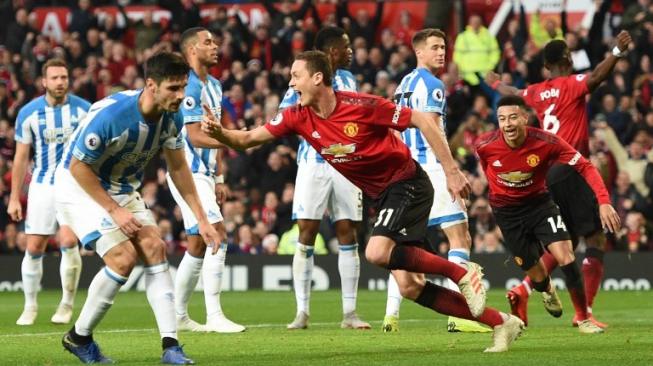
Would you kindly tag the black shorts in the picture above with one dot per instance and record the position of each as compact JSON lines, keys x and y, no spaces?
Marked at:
{"x":578,"y":205}
{"x":403,"y":209}
{"x":526,"y":228}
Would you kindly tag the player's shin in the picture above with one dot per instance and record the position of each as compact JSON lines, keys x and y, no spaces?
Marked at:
{"x":394,"y":297}
{"x":349,"y":269}
{"x":418,"y":260}
{"x":592,"y":274}
{"x":188,"y":273}
{"x":302,"y":270}
{"x":101,"y":292}
{"x":460,"y":257}
{"x":160,"y":294}
{"x":31,"y":273}
{"x":574,"y":282}
{"x":448,"y":302}
{"x":212,"y":273}
{"x":70,"y":270}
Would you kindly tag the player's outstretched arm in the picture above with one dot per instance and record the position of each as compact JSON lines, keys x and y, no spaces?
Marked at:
{"x":236,"y":139}
{"x":603,"y":70}
{"x":89,"y":181}
{"x":200,"y":139}
{"x":494,"y":81}
{"x":457,"y":183}
{"x":18,"y":171}
{"x":183,"y":179}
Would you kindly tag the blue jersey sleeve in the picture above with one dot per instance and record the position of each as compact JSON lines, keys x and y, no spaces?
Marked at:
{"x":23,"y":133}
{"x":92,"y":140}
{"x":435,"y":100}
{"x":289,"y":99}
{"x":175,"y":140}
{"x":191,"y":107}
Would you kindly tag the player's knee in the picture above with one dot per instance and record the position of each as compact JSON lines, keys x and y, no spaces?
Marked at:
{"x":345,"y":232}
{"x":196,"y":246}
{"x":121,"y":260}
{"x":154,"y":249}
{"x":376,"y":256}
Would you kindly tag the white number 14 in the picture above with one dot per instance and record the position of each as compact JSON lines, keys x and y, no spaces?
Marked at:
{"x":559,"y":225}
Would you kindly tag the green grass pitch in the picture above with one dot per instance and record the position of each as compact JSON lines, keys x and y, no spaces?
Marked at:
{"x":128,"y":334}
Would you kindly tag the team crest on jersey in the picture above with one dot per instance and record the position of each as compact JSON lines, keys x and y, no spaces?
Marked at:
{"x":189,"y":103}
{"x":519,"y":261}
{"x":533,"y":160}
{"x":277,"y":119}
{"x":92,"y":141}
{"x":351,"y":129}
{"x":438,"y":95}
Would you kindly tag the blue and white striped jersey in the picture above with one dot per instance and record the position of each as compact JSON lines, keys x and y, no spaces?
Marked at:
{"x":48,"y":129}
{"x":343,"y":80}
{"x":117,"y":143}
{"x":422,"y":91}
{"x":200,"y":160}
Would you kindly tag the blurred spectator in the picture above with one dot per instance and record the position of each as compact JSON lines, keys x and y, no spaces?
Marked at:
{"x":625,"y":198}
{"x":475,"y":50}
{"x":289,"y":239}
{"x":541,"y":34}
{"x":635,"y":235}
{"x":361,"y":25}
{"x":17,"y":31}
{"x":81,"y":19}
{"x":9,"y":241}
{"x":270,"y":244}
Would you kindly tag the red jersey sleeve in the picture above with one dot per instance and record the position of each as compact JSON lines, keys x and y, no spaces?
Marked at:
{"x":527,"y":94}
{"x":283,"y":123}
{"x":568,"y":155}
{"x":392,"y":115}
{"x":576,"y":86}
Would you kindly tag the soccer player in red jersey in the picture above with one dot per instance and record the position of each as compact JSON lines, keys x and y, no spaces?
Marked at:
{"x":354,"y":133}
{"x":560,"y":104}
{"x":516,"y":160}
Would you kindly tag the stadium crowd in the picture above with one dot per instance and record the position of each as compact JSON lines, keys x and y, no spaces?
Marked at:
{"x":105,"y":57}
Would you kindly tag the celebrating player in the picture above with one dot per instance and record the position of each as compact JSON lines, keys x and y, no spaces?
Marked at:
{"x":46,"y":123}
{"x":97,"y":192}
{"x":200,"y":49}
{"x":516,"y":159}
{"x":353,"y":133}
{"x":421,"y":90}
{"x":561,"y":106}
{"x":319,"y":186}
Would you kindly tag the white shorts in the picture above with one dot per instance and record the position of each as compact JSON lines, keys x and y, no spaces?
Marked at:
{"x":318,"y":187}
{"x":445,"y":212}
{"x":205,"y":186}
{"x":89,"y":221}
{"x":40,"y":218}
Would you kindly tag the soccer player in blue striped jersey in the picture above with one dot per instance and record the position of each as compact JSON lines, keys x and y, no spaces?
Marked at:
{"x":97,"y":192}
{"x":318,"y":187}
{"x":421,"y":90}
{"x":46,"y":123}
{"x":200,"y":48}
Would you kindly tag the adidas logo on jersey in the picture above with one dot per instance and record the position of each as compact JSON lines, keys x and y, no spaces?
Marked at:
{"x":497,"y":163}
{"x":403,"y":231}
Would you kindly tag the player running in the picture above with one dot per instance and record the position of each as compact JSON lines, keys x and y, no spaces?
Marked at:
{"x":200,"y":49}
{"x":354,"y":133}
{"x":421,"y":90}
{"x":516,"y":160}
{"x":319,"y":187}
{"x":46,"y":123}
{"x":561,"y":106}
{"x":97,"y":193}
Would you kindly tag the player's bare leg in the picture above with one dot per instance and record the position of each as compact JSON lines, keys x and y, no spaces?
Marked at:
{"x":593,"y":272}
{"x":31,"y":272}
{"x":70,"y":270}
{"x":212,"y":273}
{"x":349,"y":269}
{"x":302,"y":270}
{"x":414,"y":286}
{"x":563,"y":253}
{"x":460,"y":242}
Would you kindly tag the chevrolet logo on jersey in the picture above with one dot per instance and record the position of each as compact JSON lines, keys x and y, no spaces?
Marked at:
{"x":338,"y":150}
{"x":516,"y":179}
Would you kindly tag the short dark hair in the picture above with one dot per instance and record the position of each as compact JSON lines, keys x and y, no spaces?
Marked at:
{"x":328,"y":37}
{"x":188,"y":36}
{"x":554,"y":52}
{"x":317,"y":61}
{"x":53,"y":62}
{"x":512,"y":100}
{"x":425,"y":34}
{"x":165,"y":65}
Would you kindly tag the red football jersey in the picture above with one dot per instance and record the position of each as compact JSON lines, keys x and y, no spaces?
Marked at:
{"x":356,"y":139}
{"x":560,"y":105}
{"x":515,"y":175}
